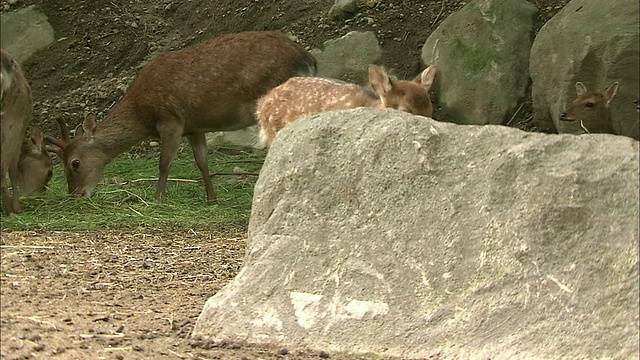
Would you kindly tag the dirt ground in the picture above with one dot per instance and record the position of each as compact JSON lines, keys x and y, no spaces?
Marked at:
{"x":136,"y":293}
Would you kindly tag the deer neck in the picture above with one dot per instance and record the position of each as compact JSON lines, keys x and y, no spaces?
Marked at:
{"x":603,"y":126}
{"x":368,"y":98}
{"x":120,"y":130}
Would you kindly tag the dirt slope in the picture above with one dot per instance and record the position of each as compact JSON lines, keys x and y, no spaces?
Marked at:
{"x":101,"y":43}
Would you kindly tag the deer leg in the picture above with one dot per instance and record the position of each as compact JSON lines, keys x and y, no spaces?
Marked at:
{"x":15,"y":194}
{"x":199,"y":145}
{"x":168,"y":149}
{"x":7,"y":205}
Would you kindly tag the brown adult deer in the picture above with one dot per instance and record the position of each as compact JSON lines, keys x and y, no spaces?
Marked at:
{"x":591,"y":109}
{"x":300,"y":96}
{"x":213,"y":86}
{"x":35,"y":167}
{"x":15,"y":114}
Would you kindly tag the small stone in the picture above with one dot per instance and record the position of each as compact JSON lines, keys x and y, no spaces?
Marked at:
{"x":209,"y":344}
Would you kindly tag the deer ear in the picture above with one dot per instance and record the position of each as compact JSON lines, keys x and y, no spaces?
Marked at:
{"x":379,"y":80}
{"x":427,"y":76}
{"x":611,"y":92}
{"x":89,"y":126}
{"x":78,"y":131}
{"x":37,"y":140}
{"x":580,"y":88}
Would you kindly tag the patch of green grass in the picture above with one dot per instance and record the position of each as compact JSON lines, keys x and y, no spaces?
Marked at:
{"x":129,"y":201}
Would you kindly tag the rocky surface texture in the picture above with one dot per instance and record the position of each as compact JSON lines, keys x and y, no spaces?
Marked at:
{"x":382,"y":232}
{"x":596,"y":43}
{"x":482,"y":54}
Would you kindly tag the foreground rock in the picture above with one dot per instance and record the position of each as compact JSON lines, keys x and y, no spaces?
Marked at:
{"x":594,"y":42}
{"x":381,"y":232}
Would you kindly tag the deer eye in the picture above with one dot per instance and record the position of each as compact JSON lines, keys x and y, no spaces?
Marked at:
{"x":75,"y":164}
{"x":589,"y":104}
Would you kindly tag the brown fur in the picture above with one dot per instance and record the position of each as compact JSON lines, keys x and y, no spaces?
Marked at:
{"x":213,"y":86}
{"x":591,"y":109}
{"x":35,"y":168}
{"x":306,"y":96}
{"x":16,"y":114}
{"x":7,"y":73}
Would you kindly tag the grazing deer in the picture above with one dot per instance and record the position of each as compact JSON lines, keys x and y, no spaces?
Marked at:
{"x":591,"y":109}
{"x":301,"y":96}
{"x":213,"y":86}
{"x":15,"y":115}
{"x":35,"y":167}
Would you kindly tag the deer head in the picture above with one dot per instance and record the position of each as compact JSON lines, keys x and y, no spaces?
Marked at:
{"x":591,"y":109}
{"x":410,"y":96}
{"x":35,"y":168}
{"x":83,"y":159}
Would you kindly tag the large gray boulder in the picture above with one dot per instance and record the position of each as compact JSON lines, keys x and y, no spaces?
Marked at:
{"x":595,"y":42}
{"x":482,"y":54}
{"x":375,"y":231}
{"x":25,"y":31}
{"x":348,"y":57}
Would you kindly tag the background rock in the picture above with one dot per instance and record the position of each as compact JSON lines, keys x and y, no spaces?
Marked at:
{"x":244,"y":137}
{"x":343,"y":9}
{"x":482,"y":53}
{"x":381,"y":232}
{"x":596,"y":43}
{"x":25,"y":31}
{"x":349,"y":56}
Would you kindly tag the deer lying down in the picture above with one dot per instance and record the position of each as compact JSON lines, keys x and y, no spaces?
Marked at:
{"x":591,"y":109}
{"x":213,"y":86}
{"x":15,"y":115}
{"x":311,"y":95}
{"x":35,"y":167}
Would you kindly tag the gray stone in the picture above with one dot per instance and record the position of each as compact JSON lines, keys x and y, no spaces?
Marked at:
{"x":482,"y":54}
{"x":244,"y":137}
{"x":594,"y":42}
{"x":349,"y":56}
{"x":25,"y":31}
{"x":375,"y":231}
{"x":343,"y":9}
